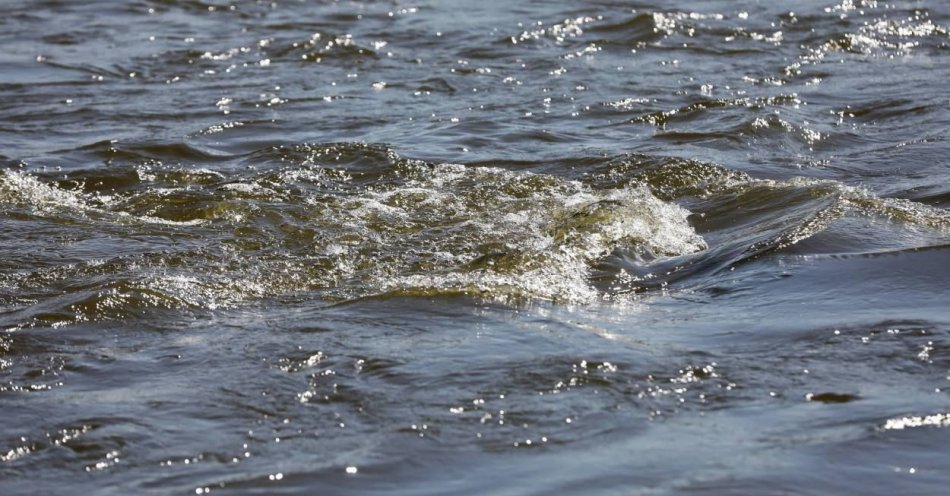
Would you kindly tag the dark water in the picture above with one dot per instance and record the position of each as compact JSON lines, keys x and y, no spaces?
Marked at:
{"x":445,"y":247}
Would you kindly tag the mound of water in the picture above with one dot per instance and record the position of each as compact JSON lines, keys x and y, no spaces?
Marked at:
{"x":346,"y":221}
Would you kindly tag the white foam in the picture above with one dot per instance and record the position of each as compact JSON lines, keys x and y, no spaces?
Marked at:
{"x":443,"y":229}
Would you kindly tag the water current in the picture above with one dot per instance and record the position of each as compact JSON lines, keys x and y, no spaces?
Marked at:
{"x":445,"y":247}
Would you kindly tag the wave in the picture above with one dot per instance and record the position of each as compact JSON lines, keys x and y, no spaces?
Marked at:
{"x":344,"y":221}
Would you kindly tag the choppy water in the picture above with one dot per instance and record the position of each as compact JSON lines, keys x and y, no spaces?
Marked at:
{"x":300,"y":247}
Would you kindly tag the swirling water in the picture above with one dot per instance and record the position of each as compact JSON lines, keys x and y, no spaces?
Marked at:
{"x":604,"y":247}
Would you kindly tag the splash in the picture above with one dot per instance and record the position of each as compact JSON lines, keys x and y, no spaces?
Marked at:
{"x":489,"y":231}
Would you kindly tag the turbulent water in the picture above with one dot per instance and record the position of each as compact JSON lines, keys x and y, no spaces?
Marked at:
{"x":354,"y":247}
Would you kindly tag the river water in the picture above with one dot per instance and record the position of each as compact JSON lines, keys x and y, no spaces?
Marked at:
{"x":433,"y":247}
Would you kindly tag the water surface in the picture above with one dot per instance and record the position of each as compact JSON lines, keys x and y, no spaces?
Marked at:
{"x":301,"y":247}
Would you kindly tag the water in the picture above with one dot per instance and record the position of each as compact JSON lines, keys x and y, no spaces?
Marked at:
{"x":302,"y":247}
